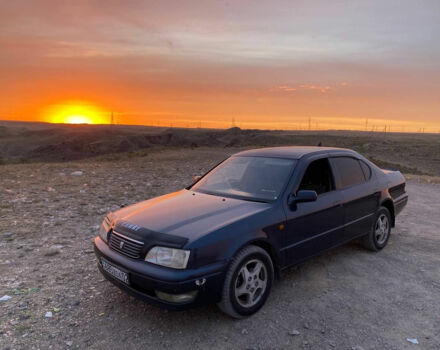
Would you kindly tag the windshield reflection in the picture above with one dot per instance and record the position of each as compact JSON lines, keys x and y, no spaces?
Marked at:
{"x":252,"y":178}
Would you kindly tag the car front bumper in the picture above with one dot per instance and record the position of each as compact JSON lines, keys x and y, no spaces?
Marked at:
{"x":145,"y":279}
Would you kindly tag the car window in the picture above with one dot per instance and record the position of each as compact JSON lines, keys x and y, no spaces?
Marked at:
{"x":366,"y":169}
{"x":318,"y":177}
{"x":254,"y":178}
{"x":349,"y":171}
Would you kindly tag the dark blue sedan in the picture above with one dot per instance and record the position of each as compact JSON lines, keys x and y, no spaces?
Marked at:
{"x":224,"y":238}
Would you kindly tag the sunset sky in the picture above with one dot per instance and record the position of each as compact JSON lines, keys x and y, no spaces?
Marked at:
{"x":263,"y":64}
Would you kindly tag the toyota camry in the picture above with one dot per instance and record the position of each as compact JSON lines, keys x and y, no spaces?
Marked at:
{"x":224,"y":238}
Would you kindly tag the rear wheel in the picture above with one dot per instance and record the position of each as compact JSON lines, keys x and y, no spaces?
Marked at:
{"x":247,"y":283}
{"x":380,"y":232}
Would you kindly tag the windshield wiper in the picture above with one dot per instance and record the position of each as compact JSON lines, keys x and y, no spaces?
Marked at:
{"x":228,"y":195}
{"x":255,"y":200}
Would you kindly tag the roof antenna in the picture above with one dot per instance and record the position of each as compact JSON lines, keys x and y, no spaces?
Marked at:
{"x":320,"y":144}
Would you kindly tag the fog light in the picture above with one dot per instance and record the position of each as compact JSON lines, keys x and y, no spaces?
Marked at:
{"x":200,"y":282}
{"x":176,"y":298}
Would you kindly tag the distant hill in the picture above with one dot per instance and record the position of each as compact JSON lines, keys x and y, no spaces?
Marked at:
{"x":30,"y":142}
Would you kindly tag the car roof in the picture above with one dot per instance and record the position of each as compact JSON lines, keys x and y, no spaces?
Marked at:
{"x":293,"y":152}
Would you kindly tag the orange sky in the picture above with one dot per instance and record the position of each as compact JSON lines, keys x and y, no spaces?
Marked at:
{"x":190,"y":63}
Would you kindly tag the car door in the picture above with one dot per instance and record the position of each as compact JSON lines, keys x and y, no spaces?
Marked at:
{"x":353,"y":179}
{"x":313,"y":226}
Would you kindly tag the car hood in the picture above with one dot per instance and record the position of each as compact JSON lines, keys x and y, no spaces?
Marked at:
{"x":186,"y":214}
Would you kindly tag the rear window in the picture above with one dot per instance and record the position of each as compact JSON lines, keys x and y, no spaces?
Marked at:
{"x":349,"y":171}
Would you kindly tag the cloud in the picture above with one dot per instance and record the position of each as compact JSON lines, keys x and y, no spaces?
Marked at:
{"x":322,"y":89}
{"x":286,"y":88}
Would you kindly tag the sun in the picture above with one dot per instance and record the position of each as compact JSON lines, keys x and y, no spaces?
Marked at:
{"x":78,"y":119}
{"x":76,"y":113}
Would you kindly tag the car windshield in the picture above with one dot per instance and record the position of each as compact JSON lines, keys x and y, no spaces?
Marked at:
{"x":252,"y":178}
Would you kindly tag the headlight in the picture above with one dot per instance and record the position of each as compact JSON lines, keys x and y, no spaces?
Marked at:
{"x":170,"y":257}
{"x":105,"y":227}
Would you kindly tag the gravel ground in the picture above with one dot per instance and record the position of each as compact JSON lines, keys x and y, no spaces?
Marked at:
{"x":348,"y":298}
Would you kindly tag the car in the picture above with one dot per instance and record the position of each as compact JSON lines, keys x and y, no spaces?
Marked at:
{"x":225,"y":237}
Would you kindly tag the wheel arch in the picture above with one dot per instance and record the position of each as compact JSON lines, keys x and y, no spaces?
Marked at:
{"x":388,"y":203}
{"x":268,"y":248}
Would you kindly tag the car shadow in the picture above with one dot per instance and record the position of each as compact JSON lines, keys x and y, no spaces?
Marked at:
{"x":312,"y":276}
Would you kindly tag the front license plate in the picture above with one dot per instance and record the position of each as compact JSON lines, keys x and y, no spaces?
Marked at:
{"x":114,"y":271}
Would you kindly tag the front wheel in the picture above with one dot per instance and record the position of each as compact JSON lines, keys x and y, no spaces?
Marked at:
{"x":248,"y":282}
{"x":380,"y":232}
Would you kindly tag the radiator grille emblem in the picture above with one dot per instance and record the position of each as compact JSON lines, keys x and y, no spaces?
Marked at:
{"x":126,"y":245}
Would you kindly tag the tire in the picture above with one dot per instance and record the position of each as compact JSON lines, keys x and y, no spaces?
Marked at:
{"x":242,"y":298}
{"x":380,"y":232}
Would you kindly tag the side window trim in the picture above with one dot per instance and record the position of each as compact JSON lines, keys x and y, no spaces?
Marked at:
{"x":336,"y":177}
{"x":332,"y":172}
{"x":369,"y":175}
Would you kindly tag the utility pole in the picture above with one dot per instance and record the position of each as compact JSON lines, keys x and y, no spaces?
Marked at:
{"x":112,"y":120}
{"x":310,"y":123}
{"x":366,"y":124}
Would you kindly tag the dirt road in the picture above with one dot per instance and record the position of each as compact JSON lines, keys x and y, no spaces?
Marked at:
{"x":345,"y":299}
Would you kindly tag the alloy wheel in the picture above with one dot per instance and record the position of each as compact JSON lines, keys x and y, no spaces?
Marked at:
{"x":251,"y":283}
{"x":381,"y":230}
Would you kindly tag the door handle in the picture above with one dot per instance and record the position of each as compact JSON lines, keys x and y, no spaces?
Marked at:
{"x":337,"y":204}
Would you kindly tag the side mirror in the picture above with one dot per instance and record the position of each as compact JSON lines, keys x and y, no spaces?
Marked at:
{"x":302,"y":197}
{"x":196,"y":178}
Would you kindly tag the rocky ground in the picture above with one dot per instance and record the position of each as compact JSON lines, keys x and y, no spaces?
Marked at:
{"x":345,"y":299}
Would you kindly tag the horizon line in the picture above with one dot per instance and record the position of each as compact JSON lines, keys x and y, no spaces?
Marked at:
{"x":380,"y":131}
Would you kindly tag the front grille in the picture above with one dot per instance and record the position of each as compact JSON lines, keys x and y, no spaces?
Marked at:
{"x":125,"y":245}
